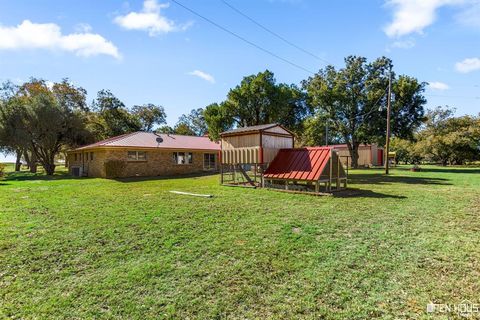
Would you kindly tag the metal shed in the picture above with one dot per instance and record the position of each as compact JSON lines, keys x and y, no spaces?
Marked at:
{"x":368,"y":155}
{"x":305,"y":169}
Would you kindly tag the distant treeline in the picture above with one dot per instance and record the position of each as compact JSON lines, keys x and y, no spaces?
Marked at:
{"x":39,"y":119}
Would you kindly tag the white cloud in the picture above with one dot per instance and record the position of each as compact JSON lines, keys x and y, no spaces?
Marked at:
{"x":437,"y":85}
{"x":149,"y":19}
{"x":403,"y":44}
{"x":412,"y":16}
{"x":468,"y":65}
{"x":203,"y":75}
{"x":83,"y":28}
{"x":470,"y":16}
{"x":29,"y":35}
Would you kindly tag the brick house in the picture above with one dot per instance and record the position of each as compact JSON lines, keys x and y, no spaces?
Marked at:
{"x":144,"y":154}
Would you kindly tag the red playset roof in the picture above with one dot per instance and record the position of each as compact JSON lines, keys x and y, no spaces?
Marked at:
{"x":305,"y":164}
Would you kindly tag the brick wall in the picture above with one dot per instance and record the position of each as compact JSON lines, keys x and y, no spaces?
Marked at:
{"x":158,"y":163}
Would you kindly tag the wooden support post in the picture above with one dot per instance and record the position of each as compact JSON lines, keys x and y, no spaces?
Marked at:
{"x":221,"y":173}
{"x":330,"y":173}
{"x":286,"y":184}
{"x":234,"y":174}
{"x":317,"y":186}
{"x":338,"y":173}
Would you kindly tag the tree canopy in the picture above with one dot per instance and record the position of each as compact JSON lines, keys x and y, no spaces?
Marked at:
{"x":149,"y":116}
{"x":40,"y":119}
{"x":258,"y":99}
{"x":195,"y":121}
{"x":353,"y":98}
{"x":111,"y":117}
{"x":448,"y":139}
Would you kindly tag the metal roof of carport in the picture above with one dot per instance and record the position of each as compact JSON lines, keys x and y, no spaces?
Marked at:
{"x":305,"y":164}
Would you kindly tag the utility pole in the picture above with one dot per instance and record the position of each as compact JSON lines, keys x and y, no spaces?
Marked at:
{"x":389,"y":101}
{"x":326,"y":133}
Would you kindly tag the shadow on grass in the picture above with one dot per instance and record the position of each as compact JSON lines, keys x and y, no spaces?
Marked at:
{"x":384,"y":179}
{"x":171,"y":177}
{"x":362,"y":193}
{"x":27,"y":176}
{"x":474,"y":170}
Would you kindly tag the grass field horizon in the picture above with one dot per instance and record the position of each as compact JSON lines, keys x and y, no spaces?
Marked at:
{"x":128,"y":248}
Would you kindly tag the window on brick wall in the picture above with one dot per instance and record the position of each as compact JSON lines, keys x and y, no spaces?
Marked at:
{"x":209,"y":161}
{"x":137,"y":155}
{"x":91,"y":156}
{"x":182,"y":157}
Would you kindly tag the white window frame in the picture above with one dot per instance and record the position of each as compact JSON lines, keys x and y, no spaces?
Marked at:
{"x":136,"y":157}
{"x":210,"y":167}
{"x":187,"y":160}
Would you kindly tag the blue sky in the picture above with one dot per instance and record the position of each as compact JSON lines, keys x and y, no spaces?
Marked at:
{"x":158,"y":52}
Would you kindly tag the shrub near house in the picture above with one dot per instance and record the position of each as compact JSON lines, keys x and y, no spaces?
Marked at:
{"x":144,"y":154}
{"x":2,"y":169}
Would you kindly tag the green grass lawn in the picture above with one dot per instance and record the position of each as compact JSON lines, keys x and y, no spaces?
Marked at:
{"x":95,"y":248}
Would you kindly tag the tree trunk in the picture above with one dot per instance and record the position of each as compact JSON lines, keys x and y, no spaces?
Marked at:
{"x":353,"y":149}
{"x":66,"y":159}
{"x":33,"y":164}
{"x":18,"y":163}
{"x":49,"y":168}
{"x":31,"y":160}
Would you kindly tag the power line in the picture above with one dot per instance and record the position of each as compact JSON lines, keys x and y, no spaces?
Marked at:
{"x":243,"y":39}
{"x":274,"y":33}
{"x":374,"y":106}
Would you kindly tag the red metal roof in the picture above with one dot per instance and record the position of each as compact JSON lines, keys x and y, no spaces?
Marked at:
{"x":149,"y":140}
{"x":299,"y":164}
{"x":253,"y":129}
{"x":344,"y":146}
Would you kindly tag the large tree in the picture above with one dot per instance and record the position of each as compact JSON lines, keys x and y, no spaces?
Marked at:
{"x":195,"y":121}
{"x":258,"y":99}
{"x":318,"y":130}
{"x":217,"y":120}
{"x":10,"y":140}
{"x":449,"y":140}
{"x":352,"y":96}
{"x":150,"y":115}
{"x":111,"y":117}
{"x":45,"y":118}
{"x":183,"y":129}
{"x":165,"y":129}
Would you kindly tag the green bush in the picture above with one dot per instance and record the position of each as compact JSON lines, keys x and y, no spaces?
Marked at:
{"x":114,"y":168}
{"x":2,"y":169}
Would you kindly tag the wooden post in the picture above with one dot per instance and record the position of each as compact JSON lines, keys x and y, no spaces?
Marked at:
{"x":221,"y":173}
{"x":331,"y":169}
{"x":317,"y":186}
{"x":389,"y":99}
{"x":338,"y":172}
{"x":286,"y":184}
